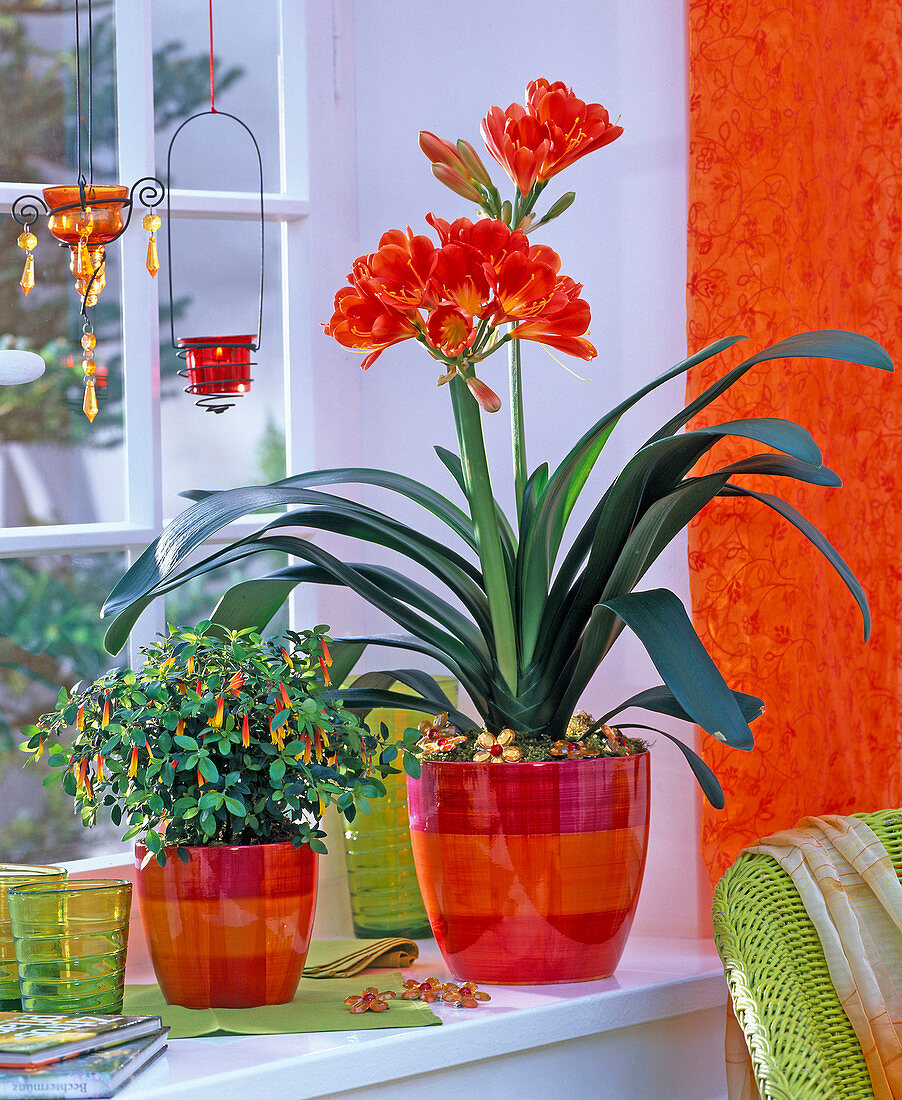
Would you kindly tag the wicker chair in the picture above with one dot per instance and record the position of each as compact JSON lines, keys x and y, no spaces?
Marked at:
{"x":801,"y":1042}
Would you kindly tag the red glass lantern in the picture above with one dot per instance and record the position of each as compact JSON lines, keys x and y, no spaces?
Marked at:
{"x":218,"y":365}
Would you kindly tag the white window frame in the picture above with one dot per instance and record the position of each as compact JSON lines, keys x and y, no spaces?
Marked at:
{"x":306,"y":32}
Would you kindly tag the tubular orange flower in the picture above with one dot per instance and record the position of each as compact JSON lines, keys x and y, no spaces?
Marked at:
{"x":82,"y":772}
{"x":277,"y":736}
{"x":327,"y":679}
{"x":80,"y":718}
{"x":285,"y":698}
{"x":99,"y":768}
{"x":105,"y":721}
{"x":216,"y":720}
{"x":200,"y":778}
{"x":180,"y":727}
{"x":306,"y":748}
{"x":149,"y":751}
{"x":190,"y":665}
{"x":286,"y":657}
{"x":133,"y":763}
{"x":317,"y":742}
{"x":89,"y":789}
{"x":245,"y":732}
{"x":327,"y":656}
{"x":237,"y":682}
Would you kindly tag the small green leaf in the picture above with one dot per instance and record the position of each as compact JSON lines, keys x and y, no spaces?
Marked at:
{"x":277,"y":770}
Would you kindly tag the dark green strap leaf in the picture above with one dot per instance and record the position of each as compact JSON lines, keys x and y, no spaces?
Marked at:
{"x":659,"y":621}
{"x":661,"y":700}
{"x":707,"y":780}
{"x":815,"y":537}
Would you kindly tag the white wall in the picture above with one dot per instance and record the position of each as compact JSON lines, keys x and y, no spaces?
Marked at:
{"x":439,"y":67}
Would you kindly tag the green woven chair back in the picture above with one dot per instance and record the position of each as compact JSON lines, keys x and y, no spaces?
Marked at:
{"x":801,"y":1042}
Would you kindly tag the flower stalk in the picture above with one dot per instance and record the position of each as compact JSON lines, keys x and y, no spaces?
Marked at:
{"x":518,"y":428}
{"x":485,"y":523}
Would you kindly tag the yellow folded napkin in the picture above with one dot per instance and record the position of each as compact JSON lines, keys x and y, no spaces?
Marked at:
{"x":344,"y":958}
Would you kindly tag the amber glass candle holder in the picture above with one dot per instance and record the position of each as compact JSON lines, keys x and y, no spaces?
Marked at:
{"x":71,"y":940}
{"x":16,"y":874}
{"x":218,"y":364}
{"x":66,"y":220}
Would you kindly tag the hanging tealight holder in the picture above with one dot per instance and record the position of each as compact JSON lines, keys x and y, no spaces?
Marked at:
{"x":218,"y":368}
{"x":85,"y":218}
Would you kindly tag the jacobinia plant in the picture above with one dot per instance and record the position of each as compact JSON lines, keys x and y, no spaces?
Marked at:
{"x":541,"y":607}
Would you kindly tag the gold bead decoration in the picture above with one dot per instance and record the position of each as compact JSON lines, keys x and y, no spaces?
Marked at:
{"x":26,"y":241}
{"x":89,"y":341}
{"x":151,"y":222}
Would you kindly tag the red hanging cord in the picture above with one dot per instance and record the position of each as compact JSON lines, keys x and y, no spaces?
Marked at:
{"x":212,"y":82}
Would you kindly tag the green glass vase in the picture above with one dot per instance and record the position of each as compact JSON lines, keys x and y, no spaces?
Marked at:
{"x":385,"y":895}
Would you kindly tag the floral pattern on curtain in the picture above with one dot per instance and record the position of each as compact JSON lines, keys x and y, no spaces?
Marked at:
{"x":795,"y":198}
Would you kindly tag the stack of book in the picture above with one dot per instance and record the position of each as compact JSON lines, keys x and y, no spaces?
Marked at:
{"x":62,"y":1056}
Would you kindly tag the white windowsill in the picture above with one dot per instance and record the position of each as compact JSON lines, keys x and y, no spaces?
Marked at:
{"x":654,"y":1030}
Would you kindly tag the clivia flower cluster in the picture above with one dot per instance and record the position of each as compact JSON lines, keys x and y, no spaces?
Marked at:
{"x":218,"y":739}
{"x":455,"y":296}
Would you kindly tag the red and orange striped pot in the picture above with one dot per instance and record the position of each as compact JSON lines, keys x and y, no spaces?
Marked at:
{"x":231,"y":927}
{"x":531,"y":872}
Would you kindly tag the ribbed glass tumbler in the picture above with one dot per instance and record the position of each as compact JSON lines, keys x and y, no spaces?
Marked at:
{"x":385,"y":894}
{"x":71,"y":940}
{"x":16,"y":874}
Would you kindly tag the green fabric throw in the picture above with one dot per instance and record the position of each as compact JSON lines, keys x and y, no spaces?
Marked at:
{"x":317,"y":1006}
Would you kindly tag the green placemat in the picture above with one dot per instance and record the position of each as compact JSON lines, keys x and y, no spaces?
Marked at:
{"x":318,"y":1006}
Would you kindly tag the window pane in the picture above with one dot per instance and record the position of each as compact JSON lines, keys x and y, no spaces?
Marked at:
{"x":50,"y":636}
{"x":215,"y":154}
{"x":216,"y":286}
{"x":37,"y":109}
{"x":54,"y":466}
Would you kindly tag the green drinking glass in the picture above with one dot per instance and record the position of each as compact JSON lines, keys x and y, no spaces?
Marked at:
{"x":16,"y":874}
{"x":71,"y":940}
{"x":382,"y":880}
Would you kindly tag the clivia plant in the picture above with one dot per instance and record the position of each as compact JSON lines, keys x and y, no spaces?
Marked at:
{"x":535,"y":607}
{"x":219,"y":738}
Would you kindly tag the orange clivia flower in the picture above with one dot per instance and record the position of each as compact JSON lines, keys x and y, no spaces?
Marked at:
{"x":575,"y":128}
{"x":245,"y":732}
{"x":554,"y":129}
{"x":133,"y":763}
{"x":496,"y":749}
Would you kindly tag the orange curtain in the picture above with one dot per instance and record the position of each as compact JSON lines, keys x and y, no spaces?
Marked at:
{"x":795,"y":196}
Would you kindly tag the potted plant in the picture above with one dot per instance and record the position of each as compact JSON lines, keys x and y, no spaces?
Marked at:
{"x":530,"y":843}
{"x":219,"y":753}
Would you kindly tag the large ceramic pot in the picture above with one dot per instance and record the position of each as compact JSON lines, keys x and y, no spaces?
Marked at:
{"x":231,"y":927}
{"x":531,"y":872}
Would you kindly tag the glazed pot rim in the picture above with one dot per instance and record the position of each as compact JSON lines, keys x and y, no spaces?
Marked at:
{"x":562,"y":763}
{"x":226,"y":847}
